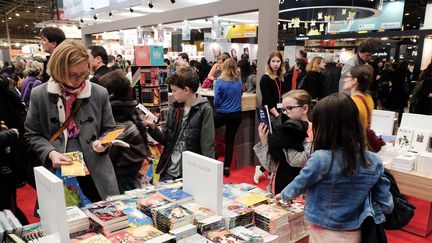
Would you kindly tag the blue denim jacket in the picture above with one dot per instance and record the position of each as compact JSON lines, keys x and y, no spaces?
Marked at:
{"x":339,"y":202}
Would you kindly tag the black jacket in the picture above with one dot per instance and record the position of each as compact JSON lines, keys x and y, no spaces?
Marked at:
{"x":270,"y":92}
{"x":128,"y":160}
{"x":8,"y":138}
{"x":314,"y":84}
{"x":332,"y":75}
{"x":102,"y":70}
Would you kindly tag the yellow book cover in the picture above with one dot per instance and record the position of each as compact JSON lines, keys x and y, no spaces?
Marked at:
{"x":77,"y":168}
{"x":251,"y":199}
{"x":145,"y":232}
{"x":111,"y":136}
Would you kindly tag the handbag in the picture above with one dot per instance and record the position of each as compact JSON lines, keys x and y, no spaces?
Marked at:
{"x":374,"y":142}
{"x":207,"y":84}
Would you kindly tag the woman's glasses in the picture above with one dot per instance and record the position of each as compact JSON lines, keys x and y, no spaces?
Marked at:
{"x":80,"y":76}
{"x":288,"y":109}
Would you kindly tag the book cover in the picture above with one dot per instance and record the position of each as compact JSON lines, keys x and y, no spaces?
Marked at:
{"x":176,"y":195}
{"x":264,"y":116}
{"x":153,"y":201}
{"x":251,"y":199}
{"x":96,"y":239}
{"x":175,"y":213}
{"x":404,"y":138}
{"x":111,"y":136}
{"x":105,"y":213}
{"x":145,"y":232}
{"x":200,"y":212}
{"x":223,"y":235}
{"x":136,"y":217}
{"x":247,"y":234}
{"x":420,"y":141}
{"x":123,"y":237}
{"x":73,"y":213}
{"x":77,"y":168}
{"x":196,"y":238}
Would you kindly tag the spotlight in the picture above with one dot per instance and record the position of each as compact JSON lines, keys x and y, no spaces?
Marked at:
{"x":131,"y":10}
{"x":95,"y":17}
{"x":81,"y":20}
{"x":110,"y":14}
{"x":233,"y":25}
{"x":150,"y":4}
{"x":172,"y":1}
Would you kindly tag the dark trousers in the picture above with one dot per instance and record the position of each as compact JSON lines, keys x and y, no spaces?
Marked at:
{"x":128,"y":182}
{"x":232,"y":122}
{"x":89,"y":188}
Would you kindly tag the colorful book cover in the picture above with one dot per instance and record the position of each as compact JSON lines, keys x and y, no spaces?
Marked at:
{"x":247,"y":234}
{"x":145,"y":232}
{"x":233,"y":209}
{"x":251,"y":199}
{"x":136,"y":217}
{"x":123,"y":237}
{"x":96,"y":239}
{"x":176,"y":194}
{"x":222,"y":235}
{"x":105,"y":213}
{"x":175,"y":213}
{"x":264,"y":116}
{"x":77,"y":168}
{"x":404,"y":138}
{"x":200,"y":212}
{"x":153,"y":201}
{"x":80,"y":238}
{"x":111,"y":136}
{"x":271,"y":212}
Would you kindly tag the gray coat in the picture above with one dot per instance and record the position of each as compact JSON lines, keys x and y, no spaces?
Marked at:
{"x":352,"y":62}
{"x":94,"y":118}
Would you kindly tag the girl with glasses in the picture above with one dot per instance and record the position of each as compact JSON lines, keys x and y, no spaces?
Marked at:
{"x":286,"y":151}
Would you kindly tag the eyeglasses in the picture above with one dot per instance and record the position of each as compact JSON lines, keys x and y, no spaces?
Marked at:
{"x":78,"y":77}
{"x":288,"y":109}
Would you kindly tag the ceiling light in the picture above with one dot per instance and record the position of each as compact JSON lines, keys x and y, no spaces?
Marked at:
{"x":39,"y":7}
{"x":17,"y":14}
{"x":95,"y":17}
{"x":27,"y":11}
{"x":9,"y":18}
{"x":150,"y":4}
{"x":131,"y":10}
{"x":407,"y":14}
{"x":110,"y":14}
{"x":172,"y":1}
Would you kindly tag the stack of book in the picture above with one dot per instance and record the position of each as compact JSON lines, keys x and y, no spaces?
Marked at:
{"x":153,"y":201}
{"x":236,"y":214}
{"x":196,"y":238}
{"x":149,"y":234}
{"x":106,"y":217}
{"x":170,"y":217}
{"x":404,"y":163}
{"x":424,"y":164}
{"x":223,"y":235}
{"x":274,"y":220}
{"x":184,"y":231}
{"x":200,"y":212}
{"x":77,"y":220}
{"x":176,"y":195}
{"x":296,"y":219}
{"x":211,"y":223}
{"x":9,"y":224}
{"x":231,"y":192}
{"x":252,"y":199}
{"x":247,"y":234}
{"x":267,"y":237}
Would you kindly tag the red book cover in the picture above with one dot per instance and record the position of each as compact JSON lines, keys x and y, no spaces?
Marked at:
{"x":142,"y":55}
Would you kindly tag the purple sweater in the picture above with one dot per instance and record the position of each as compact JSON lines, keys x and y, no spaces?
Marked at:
{"x":26,"y":88}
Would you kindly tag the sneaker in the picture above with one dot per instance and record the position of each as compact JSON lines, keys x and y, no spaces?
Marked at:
{"x":258,"y":174}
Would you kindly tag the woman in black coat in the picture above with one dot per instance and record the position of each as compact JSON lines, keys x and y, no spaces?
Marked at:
{"x":315,"y":80}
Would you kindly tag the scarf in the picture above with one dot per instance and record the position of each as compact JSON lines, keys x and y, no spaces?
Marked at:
{"x":70,"y":95}
{"x":294,"y":79}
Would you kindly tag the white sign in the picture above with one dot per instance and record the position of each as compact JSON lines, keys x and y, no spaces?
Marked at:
{"x":52,"y":206}
{"x":382,"y":122}
{"x":203,"y":179}
{"x":213,"y":49}
{"x":73,"y":8}
{"x":186,"y":35}
{"x":390,"y":25}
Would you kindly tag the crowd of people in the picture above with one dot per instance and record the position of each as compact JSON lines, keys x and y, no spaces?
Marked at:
{"x":320,"y":111}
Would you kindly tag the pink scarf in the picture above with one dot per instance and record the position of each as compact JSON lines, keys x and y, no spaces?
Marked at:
{"x":70,"y":95}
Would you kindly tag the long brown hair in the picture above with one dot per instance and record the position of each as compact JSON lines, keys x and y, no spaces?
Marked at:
{"x":281,"y":71}
{"x":337,"y":127}
{"x":230,"y":70}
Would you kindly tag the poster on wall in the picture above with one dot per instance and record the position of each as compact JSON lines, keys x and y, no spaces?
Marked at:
{"x":239,"y":31}
{"x":186,"y":35}
{"x":213,"y":49}
{"x":216,"y":29}
{"x":160,"y":33}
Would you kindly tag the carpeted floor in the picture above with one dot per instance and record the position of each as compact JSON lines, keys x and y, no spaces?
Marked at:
{"x":26,"y":197}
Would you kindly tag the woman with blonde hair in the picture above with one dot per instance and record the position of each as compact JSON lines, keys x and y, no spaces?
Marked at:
{"x":272,"y":87}
{"x":315,"y":80}
{"x":227,"y":100}
{"x":34,"y":70}
{"x":69,"y":113}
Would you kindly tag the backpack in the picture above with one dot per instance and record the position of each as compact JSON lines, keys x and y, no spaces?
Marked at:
{"x":403,"y":210}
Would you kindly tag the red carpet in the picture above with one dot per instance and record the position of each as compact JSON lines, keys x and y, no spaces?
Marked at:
{"x":26,"y":197}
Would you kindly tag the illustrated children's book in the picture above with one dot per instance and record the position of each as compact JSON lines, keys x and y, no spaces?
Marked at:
{"x":78,"y":166}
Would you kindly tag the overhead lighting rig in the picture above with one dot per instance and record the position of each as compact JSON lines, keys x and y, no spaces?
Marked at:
{"x":150,"y":4}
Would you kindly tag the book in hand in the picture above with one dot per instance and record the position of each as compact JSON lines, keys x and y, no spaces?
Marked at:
{"x":146,"y":111}
{"x":264,"y":116}
{"x":78,"y":166}
{"x":111,"y":136}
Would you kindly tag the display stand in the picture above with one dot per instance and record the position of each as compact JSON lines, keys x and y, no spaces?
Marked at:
{"x":52,"y":206}
{"x":203,"y":179}
{"x":414,"y":184}
{"x":382,"y":122}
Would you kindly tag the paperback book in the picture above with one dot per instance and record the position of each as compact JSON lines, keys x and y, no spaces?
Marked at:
{"x":264,"y":116}
{"x":404,"y":138}
{"x":222,"y":236}
{"x":176,"y":195}
{"x":78,"y":166}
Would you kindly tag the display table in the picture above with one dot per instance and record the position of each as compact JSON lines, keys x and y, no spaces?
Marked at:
{"x":419,"y":186}
{"x":245,"y":139}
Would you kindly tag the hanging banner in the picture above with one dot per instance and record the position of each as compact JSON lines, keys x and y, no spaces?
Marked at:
{"x":239,"y":31}
{"x":160,"y":33}
{"x":121,"y":38}
{"x":216,"y":28}
{"x":142,"y":55}
{"x":186,"y":31}
{"x":72,"y":8}
{"x":140,"y":36}
{"x":156,"y":55}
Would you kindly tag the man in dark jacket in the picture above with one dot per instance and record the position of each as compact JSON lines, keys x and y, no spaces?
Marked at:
{"x":332,"y":76}
{"x":98,"y":62}
{"x":51,"y":37}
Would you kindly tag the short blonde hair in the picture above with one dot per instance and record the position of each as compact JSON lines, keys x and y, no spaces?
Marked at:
{"x":34,"y":68}
{"x":68,"y":53}
{"x":314,"y":65}
{"x":230,"y":70}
